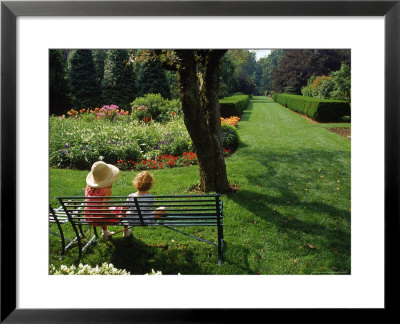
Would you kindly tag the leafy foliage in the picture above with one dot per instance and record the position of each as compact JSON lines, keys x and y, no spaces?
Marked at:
{"x":336,"y":85}
{"x":230,"y":137}
{"x":297,"y":66}
{"x":154,"y":107}
{"x":342,"y":80}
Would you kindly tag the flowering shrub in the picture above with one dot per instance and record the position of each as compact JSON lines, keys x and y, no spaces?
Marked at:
{"x":110,"y":112}
{"x":153,"y":107}
{"x":104,"y":269}
{"x":233,"y":120}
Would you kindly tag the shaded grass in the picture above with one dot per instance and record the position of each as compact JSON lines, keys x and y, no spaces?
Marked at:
{"x":290,"y":216}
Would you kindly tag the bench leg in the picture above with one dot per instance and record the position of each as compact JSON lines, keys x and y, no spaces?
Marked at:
{"x":220,"y":244}
{"x":78,"y":238}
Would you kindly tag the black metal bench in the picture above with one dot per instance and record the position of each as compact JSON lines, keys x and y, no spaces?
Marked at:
{"x":180,"y":211}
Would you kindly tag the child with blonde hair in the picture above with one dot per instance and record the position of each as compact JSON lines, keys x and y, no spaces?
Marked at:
{"x":143,"y":183}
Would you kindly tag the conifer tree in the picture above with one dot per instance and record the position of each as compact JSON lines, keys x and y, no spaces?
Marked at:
{"x":83,"y":79}
{"x":153,"y":79}
{"x":118,"y":85}
{"x":59,"y":96}
{"x":99,"y":56}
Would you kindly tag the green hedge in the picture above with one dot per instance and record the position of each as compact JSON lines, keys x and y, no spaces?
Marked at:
{"x":233,"y":105}
{"x":322,"y":110}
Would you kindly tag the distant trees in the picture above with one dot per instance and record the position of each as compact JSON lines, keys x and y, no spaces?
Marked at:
{"x":297,"y":66}
{"x":244,"y":70}
{"x":59,"y":92}
{"x":89,"y":78}
{"x":266,"y":67}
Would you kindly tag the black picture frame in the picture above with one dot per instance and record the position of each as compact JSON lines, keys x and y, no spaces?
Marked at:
{"x":10,"y":10}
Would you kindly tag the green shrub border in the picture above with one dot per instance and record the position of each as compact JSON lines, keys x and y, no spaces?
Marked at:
{"x":322,"y":110}
{"x":233,"y":105}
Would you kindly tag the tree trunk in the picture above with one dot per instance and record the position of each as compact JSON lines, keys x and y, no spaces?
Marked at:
{"x":198,"y":82}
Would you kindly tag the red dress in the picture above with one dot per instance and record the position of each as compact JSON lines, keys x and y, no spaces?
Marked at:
{"x":91,"y":212}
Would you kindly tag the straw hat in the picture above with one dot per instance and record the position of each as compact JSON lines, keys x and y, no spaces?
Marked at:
{"x":102,"y":175}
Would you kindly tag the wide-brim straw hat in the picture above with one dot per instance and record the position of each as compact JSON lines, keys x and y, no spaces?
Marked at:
{"x":102,"y":175}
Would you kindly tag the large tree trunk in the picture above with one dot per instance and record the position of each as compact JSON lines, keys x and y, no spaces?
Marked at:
{"x":198,"y":82}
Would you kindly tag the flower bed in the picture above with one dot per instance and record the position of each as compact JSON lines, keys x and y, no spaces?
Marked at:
{"x":86,"y":137}
{"x":232,"y":120}
{"x":160,"y":162}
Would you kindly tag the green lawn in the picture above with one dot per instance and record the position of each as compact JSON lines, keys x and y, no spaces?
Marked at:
{"x":291,"y":214}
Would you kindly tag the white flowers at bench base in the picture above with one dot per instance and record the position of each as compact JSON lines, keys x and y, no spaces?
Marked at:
{"x":104,"y":269}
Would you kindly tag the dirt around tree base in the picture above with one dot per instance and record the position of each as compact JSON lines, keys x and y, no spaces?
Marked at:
{"x":196,"y":189}
{"x":345,"y":132}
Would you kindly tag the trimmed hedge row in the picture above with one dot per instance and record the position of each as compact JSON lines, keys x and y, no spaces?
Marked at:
{"x":233,"y":105}
{"x":323,"y":110}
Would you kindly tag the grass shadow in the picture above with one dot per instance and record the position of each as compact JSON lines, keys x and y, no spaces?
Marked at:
{"x":137,"y":257}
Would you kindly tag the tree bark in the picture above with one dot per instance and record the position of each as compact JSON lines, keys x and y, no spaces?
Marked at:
{"x":198,"y":82}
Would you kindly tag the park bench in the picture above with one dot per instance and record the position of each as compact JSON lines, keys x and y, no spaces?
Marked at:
{"x":180,"y":211}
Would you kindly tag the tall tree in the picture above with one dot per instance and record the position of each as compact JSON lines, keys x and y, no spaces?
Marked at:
{"x":118,"y":84}
{"x":83,"y":79}
{"x":59,"y":97}
{"x":99,"y":57}
{"x":153,"y":79}
{"x":229,"y":82}
{"x":198,"y":79}
{"x":267,"y":65}
{"x":297,"y":66}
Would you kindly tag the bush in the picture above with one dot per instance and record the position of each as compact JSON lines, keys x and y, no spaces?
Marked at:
{"x":317,"y":109}
{"x":326,"y":88}
{"x":155,"y":107}
{"x":342,"y":80}
{"x":319,"y":87}
{"x":230,"y":137}
{"x":234,"y":105}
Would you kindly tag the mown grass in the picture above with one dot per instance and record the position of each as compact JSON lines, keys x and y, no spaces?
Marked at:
{"x":291,"y":214}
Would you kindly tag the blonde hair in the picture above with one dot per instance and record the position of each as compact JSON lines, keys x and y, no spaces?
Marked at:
{"x":143,"y":181}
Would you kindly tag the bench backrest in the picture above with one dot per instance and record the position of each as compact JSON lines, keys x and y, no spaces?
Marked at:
{"x":183,"y":210}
